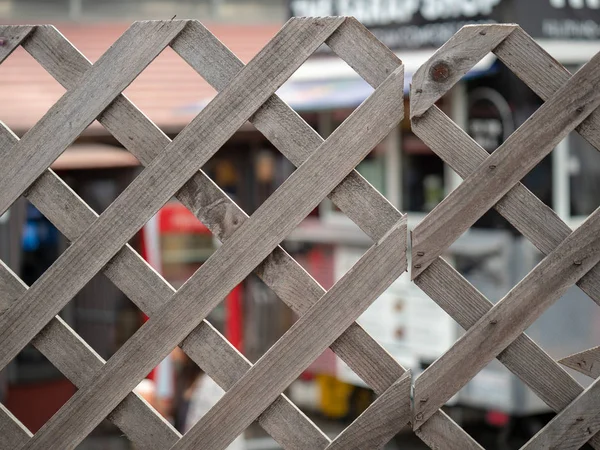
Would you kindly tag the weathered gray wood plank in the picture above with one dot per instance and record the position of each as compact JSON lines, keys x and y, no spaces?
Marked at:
{"x":13,"y":433}
{"x":452,"y":61}
{"x":465,"y":304}
{"x":12,"y":36}
{"x":257,"y":237}
{"x":574,"y":426}
{"x":354,"y":196}
{"x":586,"y":362}
{"x":508,"y":318}
{"x":543,"y":74}
{"x":506,"y":166}
{"x":112,"y":73}
{"x":297,"y":140}
{"x":200,"y":194}
{"x":78,"y":362}
{"x":381,"y":420}
{"x":155,"y":185}
{"x":302,"y":343}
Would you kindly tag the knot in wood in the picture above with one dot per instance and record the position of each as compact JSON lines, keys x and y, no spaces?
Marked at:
{"x":440,"y":71}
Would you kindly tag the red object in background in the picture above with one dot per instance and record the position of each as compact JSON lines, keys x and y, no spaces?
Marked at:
{"x":176,"y":218}
{"x":233,"y":317}
{"x":34,"y":403}
{"x":497,"y":418}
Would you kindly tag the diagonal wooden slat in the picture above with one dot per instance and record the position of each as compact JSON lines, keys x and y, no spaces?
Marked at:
{"x":354,"y":196}
{"x":285,"y":277}
{"x":65,"y":349}
{"x":573,"y":426}
{"x":543,"y":74}
{"x":78,"y":362}
{"x":359,"y":200}
{"x":380,"y":422}
{"x":465,"y":304}
{"x":230,"y":264}
{"x":586,"y":362}
{"x":452,"y":61}
{"x":13,"y":434}
{"x":112,"y":73}
{"x":12,"y":36}
{"x":528,"y":214}
{"x":508,"y":318}
{"x":506,"y":166}
{"x":302,"y":343}
{"x":161,"y":179}
{"x":148,"y":291}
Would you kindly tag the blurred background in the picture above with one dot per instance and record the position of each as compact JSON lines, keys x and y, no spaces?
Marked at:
{"x":489,"y":103}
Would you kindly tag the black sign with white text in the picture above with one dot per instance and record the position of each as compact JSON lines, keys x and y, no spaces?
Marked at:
{"x":430,"y":23}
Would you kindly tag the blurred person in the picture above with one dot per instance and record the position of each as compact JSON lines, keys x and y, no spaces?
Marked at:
{"x":203,"y":394}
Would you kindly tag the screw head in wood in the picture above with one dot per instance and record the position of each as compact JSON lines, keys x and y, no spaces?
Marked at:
{"x":420,"y":253}
{"x":440,"y":71}
{"x":492,"y":166}
{"x":577,"y":263}
{"x":493,"y":321}
{"x":417,"y":266}
{"x":419,"y":416}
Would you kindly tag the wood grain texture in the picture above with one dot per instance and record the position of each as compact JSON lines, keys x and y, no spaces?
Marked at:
{"x":508,"y":318}
{"x":294,"y":285}
{"x":506,"y":166}
{"x":13,"y":433}
{"x":12,"y":36}
{"x":465,"y":304}
{"x":302,"y":343}
{"x":111,"y":74}
{"x":452,"y":61}
{"x":528,"y":214}
{"x":354,"y":196}
{"x":253,"y":241}
{"x":79,"y":362}
{"x":586,"y":362}
{"x":161,"y":179}
{"x":574,"y":426}
{"x":543,"y":74}
{"x":380,"y":422}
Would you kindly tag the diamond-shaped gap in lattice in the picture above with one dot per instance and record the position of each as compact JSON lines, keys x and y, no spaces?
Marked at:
{"x":36,"y":389}
{"x":170,"y":92}
{"x":21,"y":74}
{"x":328,"y":103}
{"x":422,"y":263}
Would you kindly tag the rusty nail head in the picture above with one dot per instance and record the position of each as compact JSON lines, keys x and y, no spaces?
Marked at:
{"x":440,"y":71}
{"x":420,"y":253}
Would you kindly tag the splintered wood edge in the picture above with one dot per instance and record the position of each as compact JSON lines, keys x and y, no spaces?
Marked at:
{"x":452,"y":61}
{"x":586,"y":362}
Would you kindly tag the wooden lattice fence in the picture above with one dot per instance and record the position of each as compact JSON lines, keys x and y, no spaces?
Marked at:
{"x":325,"y":168}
